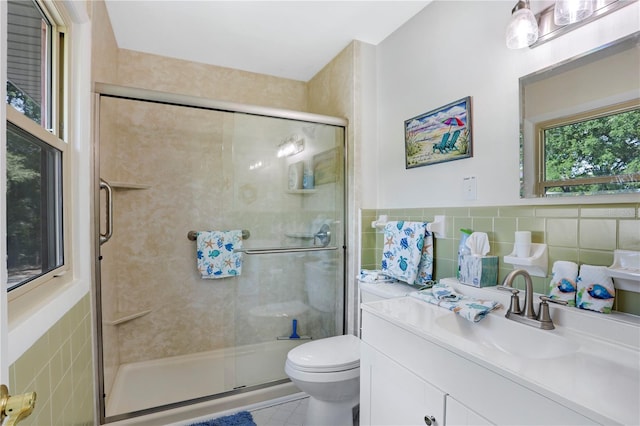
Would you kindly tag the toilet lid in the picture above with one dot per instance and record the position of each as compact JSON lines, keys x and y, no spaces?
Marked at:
{"x":337,"y":353}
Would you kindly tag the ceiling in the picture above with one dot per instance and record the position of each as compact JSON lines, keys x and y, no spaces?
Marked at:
{"x":289,"y":39}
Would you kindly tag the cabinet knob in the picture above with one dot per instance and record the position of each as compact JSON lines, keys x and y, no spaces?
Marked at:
{"x":429,"y":420}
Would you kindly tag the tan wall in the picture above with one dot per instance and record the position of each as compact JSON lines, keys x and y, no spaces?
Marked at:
{"x":334,"y":91}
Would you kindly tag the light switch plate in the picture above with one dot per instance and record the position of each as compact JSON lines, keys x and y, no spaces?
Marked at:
{"x":469,"y":190}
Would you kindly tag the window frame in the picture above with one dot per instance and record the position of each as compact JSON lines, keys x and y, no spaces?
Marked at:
{"x":54,"y":134}
{"x":541,"y":184}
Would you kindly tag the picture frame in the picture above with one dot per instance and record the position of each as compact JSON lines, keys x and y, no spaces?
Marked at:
{"x":443,"y":134}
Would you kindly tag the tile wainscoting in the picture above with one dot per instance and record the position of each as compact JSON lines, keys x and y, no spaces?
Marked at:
{"x":585,"y":234}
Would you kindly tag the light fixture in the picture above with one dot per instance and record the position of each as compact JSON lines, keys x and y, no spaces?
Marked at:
{"x":522,"y":30}
{"x":572,"y":11}
{"x":291,"y":146}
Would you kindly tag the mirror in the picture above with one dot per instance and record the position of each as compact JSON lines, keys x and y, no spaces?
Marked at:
{"x":571,"y":139}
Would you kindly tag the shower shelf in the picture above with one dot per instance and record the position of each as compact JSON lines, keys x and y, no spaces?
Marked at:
{"x":128,"y":185}
{"x":301,"y":191}
{"x":122,"y":317}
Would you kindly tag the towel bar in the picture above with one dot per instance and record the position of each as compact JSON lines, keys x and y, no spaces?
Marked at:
{"x":438,"y":226}
{"x":193,"y":235}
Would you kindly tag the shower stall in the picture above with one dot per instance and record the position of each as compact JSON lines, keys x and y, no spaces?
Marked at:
{"x":169,"y":167}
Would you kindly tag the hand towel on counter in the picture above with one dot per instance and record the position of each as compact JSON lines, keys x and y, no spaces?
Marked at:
{"x":595,"y":289}
{"x":404,"y":254}
{"x":374,"y":276}
{"x":216,"y":253}
{"x":564,"y":276}
{"x":444,"y":296}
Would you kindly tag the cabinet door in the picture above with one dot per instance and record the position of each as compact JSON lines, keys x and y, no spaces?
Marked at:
{"x":458,"y":414}
{"x":394,"y":395}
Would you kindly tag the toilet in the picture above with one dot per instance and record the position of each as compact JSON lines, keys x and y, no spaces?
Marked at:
{"x":328,"y":369}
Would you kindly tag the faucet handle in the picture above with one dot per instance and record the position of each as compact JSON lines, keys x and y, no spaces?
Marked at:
{"x":543,"y":312}
{"x":514,"y":306}
{"x":545,"y":299}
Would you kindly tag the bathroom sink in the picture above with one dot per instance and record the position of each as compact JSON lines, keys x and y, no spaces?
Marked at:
{"x":499,"y":333}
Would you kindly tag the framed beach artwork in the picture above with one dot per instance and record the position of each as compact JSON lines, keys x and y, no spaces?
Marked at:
{"x":443,"y":134}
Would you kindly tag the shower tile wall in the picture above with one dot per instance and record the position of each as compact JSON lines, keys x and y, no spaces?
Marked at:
{"x":186,"y":157}
{"x":585,"y":234}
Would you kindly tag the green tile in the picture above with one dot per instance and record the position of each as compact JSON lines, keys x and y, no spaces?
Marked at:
{"x":595,"y":257}
{"x":608,"y":212}
{"x":504,"y":229}
{"x":531,"y":224}
{"x":461,"y":222}
{"x":627,"y":301}
{"x":483,"y":211}
{"x":501,"y":249}
{"x":557,"y":211}
{"x":483,"y":224}
{"x":562,"y":253}
{"x":599,"y":234}
{"x":629,"y":234}
{"x":457,"y":212}
{"x":444,"y":268}
{"x":368,"y":240}
{"x":444,"y":248}
{"x":562,"y":232}
{"x":516,"y":212}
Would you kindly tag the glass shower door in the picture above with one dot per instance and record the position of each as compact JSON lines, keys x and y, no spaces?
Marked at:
{"x":175,"y":169}
{"x":288,"y":192}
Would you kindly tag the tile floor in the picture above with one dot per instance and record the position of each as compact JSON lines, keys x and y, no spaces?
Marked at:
{"x":286,"y":414}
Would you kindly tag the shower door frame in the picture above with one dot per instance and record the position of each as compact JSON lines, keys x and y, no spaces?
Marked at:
{"x":146,"y":95}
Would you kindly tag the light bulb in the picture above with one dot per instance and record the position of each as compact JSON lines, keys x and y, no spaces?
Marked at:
{"x":522,"y":30}
{"x":572,"y":11}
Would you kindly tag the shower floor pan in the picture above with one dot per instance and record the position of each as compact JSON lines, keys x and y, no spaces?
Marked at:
{"x":160,"y":382}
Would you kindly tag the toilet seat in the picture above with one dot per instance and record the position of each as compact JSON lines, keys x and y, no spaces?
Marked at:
{"x":332,"y":354}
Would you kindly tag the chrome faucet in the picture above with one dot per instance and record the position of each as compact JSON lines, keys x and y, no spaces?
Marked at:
{"x":540,"y":320}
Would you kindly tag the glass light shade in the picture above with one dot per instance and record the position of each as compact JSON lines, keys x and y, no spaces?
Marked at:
{"x":572,"y":11}
{"x":522,"y":30}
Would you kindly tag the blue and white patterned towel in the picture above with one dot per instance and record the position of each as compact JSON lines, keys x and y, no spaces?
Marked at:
{"x":468,"y":308}
{"x":596,"y":291}
{"x":373,"y":276}
{"x":407,"y":253}
{"x":216,"y":255}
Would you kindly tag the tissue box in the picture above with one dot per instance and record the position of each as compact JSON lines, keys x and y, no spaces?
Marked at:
{"x":478,"y":271}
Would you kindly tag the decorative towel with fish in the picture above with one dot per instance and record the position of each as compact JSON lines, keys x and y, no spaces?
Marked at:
{"x":444,"y":296}
{"x":217,"y":256}
{"x":563,"y":281}
{"x":595,"y":289}
{"x":407,"y":253}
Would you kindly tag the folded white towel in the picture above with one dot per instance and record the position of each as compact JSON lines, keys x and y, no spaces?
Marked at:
{"x":595,"y":289}
{"x":563,"y":281}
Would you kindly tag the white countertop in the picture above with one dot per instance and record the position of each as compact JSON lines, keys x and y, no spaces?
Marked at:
{"x":600,"y":379}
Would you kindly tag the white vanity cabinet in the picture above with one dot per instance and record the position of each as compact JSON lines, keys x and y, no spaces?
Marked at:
{"x":406,"y":376}
{"x":392,"y":395}
{"x":460,"y":415}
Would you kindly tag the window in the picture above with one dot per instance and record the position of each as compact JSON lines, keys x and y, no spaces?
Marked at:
{"x":35,"y":148}
{"x":591,"y":153}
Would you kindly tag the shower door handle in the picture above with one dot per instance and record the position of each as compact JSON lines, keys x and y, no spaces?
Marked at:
{"x":109,"y":212}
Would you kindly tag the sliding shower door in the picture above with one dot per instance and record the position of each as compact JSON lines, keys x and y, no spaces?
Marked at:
{"x":168,"y":335}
